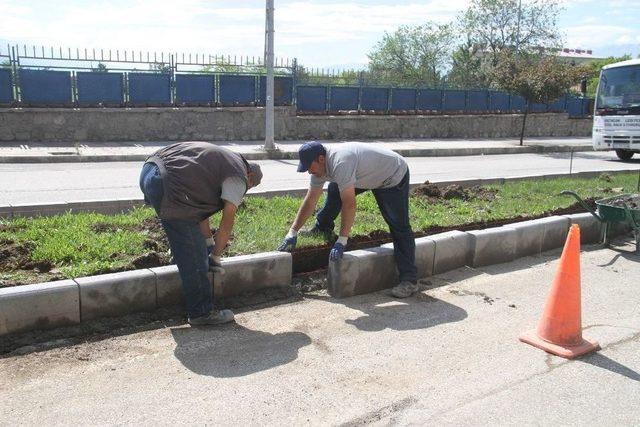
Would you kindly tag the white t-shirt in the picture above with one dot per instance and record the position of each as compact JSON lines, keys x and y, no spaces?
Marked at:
{"x":233,"y":189}
{"x":362,"y":166}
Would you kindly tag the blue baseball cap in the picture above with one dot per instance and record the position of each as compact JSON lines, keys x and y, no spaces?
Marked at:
{"x":308,"y":152}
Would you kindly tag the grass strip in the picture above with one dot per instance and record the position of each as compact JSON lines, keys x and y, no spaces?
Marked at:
{"x":83,"y":244}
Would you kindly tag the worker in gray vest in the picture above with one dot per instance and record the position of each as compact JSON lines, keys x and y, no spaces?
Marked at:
{"x":352,"y":168}
{"x":186,"y":183}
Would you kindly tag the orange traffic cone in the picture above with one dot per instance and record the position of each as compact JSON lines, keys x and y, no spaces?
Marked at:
{"x":560,"y":328}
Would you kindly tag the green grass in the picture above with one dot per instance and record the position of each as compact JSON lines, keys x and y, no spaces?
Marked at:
{"x":75,"y":244}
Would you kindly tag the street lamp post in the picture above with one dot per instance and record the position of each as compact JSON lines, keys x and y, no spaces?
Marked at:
{"x":269,"y":144}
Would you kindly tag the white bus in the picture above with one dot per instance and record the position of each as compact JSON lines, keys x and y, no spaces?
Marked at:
{"x":616,"y":119}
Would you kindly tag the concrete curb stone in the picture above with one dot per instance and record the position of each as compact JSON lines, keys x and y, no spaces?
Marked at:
{"x":425,"y":252}
{"x":452,"y":250}
{"x":257,"y":271}
{"x":529,"y":236}
{"x":168,"y":286}
{"x":362,"y":271}
{"x":116,"y":294}
{"x":39,"y":306}
{"x":590,"y":228}
{"x":556,"y":229}
{"x":493,"y":246}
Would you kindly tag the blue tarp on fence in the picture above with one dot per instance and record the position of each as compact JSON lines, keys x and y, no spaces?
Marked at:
{"x":498,"y":101}
{"x":344,"y":98}
{"x":282,"y":90}
{"x":477,"y":100}
{"x":429,"y":100}
{"x":517,"y":103}
{"x":6,"y":86}
{"x":44,"y":87}
{"x":536,"y":107}
{"x":403,"y":99}
{"x":454,"y":100}
{"x":311,"y":98}
{"x":374,"y":98}
{"x":559,"y":105}
{"x":100,"y":88}
{"x":194,"y":89}
{"x":237,"y":90}
{"x":146,"y":89}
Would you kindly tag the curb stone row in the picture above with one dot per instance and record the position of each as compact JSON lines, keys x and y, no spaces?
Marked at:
{"x":69,"y":302}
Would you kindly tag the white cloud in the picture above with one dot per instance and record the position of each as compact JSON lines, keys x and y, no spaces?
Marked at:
{"x":596,"y":36}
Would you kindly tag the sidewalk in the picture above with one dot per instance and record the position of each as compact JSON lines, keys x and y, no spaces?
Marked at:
{"x":61,"y":152}
{"x":447,"y":356}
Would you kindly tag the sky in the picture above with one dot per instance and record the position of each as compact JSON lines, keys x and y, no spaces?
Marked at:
{"x":327,"y":33}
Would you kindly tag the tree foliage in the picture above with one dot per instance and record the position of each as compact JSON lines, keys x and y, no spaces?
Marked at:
{"x":492,"y":26}
{"x":537,"y":78}
{"x":416,"y":56}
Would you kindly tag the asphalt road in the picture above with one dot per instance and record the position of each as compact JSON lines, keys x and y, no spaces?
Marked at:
{"x":447,"y":356}
{"x":66,"y":182}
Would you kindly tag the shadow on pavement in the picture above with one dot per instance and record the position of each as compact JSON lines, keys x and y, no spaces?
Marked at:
{"x":602,"y":361}
{"x":381,"y":311}
{"x":233,"y":350}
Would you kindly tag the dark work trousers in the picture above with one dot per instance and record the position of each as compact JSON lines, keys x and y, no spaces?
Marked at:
{"x":188,"y":247}
{"x":394,"y":206}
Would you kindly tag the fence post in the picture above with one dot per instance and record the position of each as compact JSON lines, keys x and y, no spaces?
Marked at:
{"x":16,"y":75}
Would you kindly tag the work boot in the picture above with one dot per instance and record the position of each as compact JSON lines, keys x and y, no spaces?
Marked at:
{"x":405,"y":289}
{"x":327,"y":235}
{"x":216,"y":317}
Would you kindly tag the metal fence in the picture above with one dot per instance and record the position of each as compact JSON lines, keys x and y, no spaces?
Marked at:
{"x":385,"y":100}
{"x":48,"y":77}
{"x":57,"y":77}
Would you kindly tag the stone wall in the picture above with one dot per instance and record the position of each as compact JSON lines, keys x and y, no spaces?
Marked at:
{"x":247,"y":124}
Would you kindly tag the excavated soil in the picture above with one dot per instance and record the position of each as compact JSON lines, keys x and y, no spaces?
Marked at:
{"x":17,"y":257}
{"x":632,"y":202}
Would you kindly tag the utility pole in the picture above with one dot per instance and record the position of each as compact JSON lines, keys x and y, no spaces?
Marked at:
{"x":269,"y":144}
{"x":518,"y":26}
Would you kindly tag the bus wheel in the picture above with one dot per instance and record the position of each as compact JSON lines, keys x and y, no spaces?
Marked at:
{"x":624,"y":154}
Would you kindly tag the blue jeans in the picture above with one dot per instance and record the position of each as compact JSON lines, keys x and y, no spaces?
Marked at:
{"x":188,"y":247}
{"x":394,"y":206}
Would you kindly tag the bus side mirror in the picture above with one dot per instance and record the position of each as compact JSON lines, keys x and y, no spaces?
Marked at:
{"x":583,"y":86}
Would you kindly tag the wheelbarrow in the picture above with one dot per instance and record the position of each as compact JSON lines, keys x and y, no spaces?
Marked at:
{"x":613,"y":210}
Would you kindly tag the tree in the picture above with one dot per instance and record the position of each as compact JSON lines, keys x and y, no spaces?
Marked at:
{"x":592,"y":72}
{"x":468,"y":70}
{"x":414,"y":56}
{"x":537,"y":78}
{"x":491,"y":26}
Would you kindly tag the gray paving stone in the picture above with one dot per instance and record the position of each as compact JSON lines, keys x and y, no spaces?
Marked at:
{"x":529,"y":236}
{"x":453,"y":250}
{"x":361,"y":272}
{"x":556,"y":229}
{"x":39,"y":306}
{"x":169,"y":286}
{"x":590,"y":228}
{"x":117,"y":294}
{"x":493,"y":246}
{"x":247,"y":273}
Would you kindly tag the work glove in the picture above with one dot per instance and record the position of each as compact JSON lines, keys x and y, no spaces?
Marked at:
{"x":336,"y":252}
{"x":289,"y":242}
{"x":215,"y":264}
